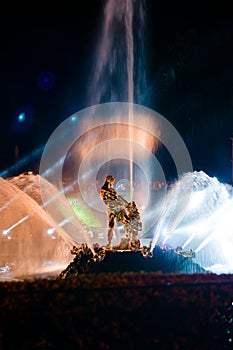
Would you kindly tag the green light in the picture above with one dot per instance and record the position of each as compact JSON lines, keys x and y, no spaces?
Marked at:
{"x":83,"y":212}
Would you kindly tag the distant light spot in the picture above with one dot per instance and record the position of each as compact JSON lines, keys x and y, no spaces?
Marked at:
{"x":21,"y":117}
{"x":73,"y":119}
{"x":45,"y":80}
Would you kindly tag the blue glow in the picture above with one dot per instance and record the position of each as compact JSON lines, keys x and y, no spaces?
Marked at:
{"x":46,"y":80}
{"x":21,"y":117}
{"x":73,"y":119}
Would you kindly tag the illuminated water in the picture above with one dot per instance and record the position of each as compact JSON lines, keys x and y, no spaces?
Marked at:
{"x":42,"y":218}
{"x":31,"y":243}
{"x":204,"y":223}
{"x":119,"y":69}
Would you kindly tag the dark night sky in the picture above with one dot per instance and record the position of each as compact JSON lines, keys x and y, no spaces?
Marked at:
{"x":189,"y":55}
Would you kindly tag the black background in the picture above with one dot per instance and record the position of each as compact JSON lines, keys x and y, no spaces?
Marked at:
{"x":189,"y":54}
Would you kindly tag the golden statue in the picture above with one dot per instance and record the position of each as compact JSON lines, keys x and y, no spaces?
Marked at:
{"x":118,"y":209}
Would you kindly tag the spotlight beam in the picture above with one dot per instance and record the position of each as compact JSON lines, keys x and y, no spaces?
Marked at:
{"x":22,"y":162}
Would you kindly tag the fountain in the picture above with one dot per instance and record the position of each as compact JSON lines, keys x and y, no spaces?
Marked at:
{"x":97,"y":144}
{"x":206,"y":227}
{"x":30,"y":242}
{"x":43,"y":216}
